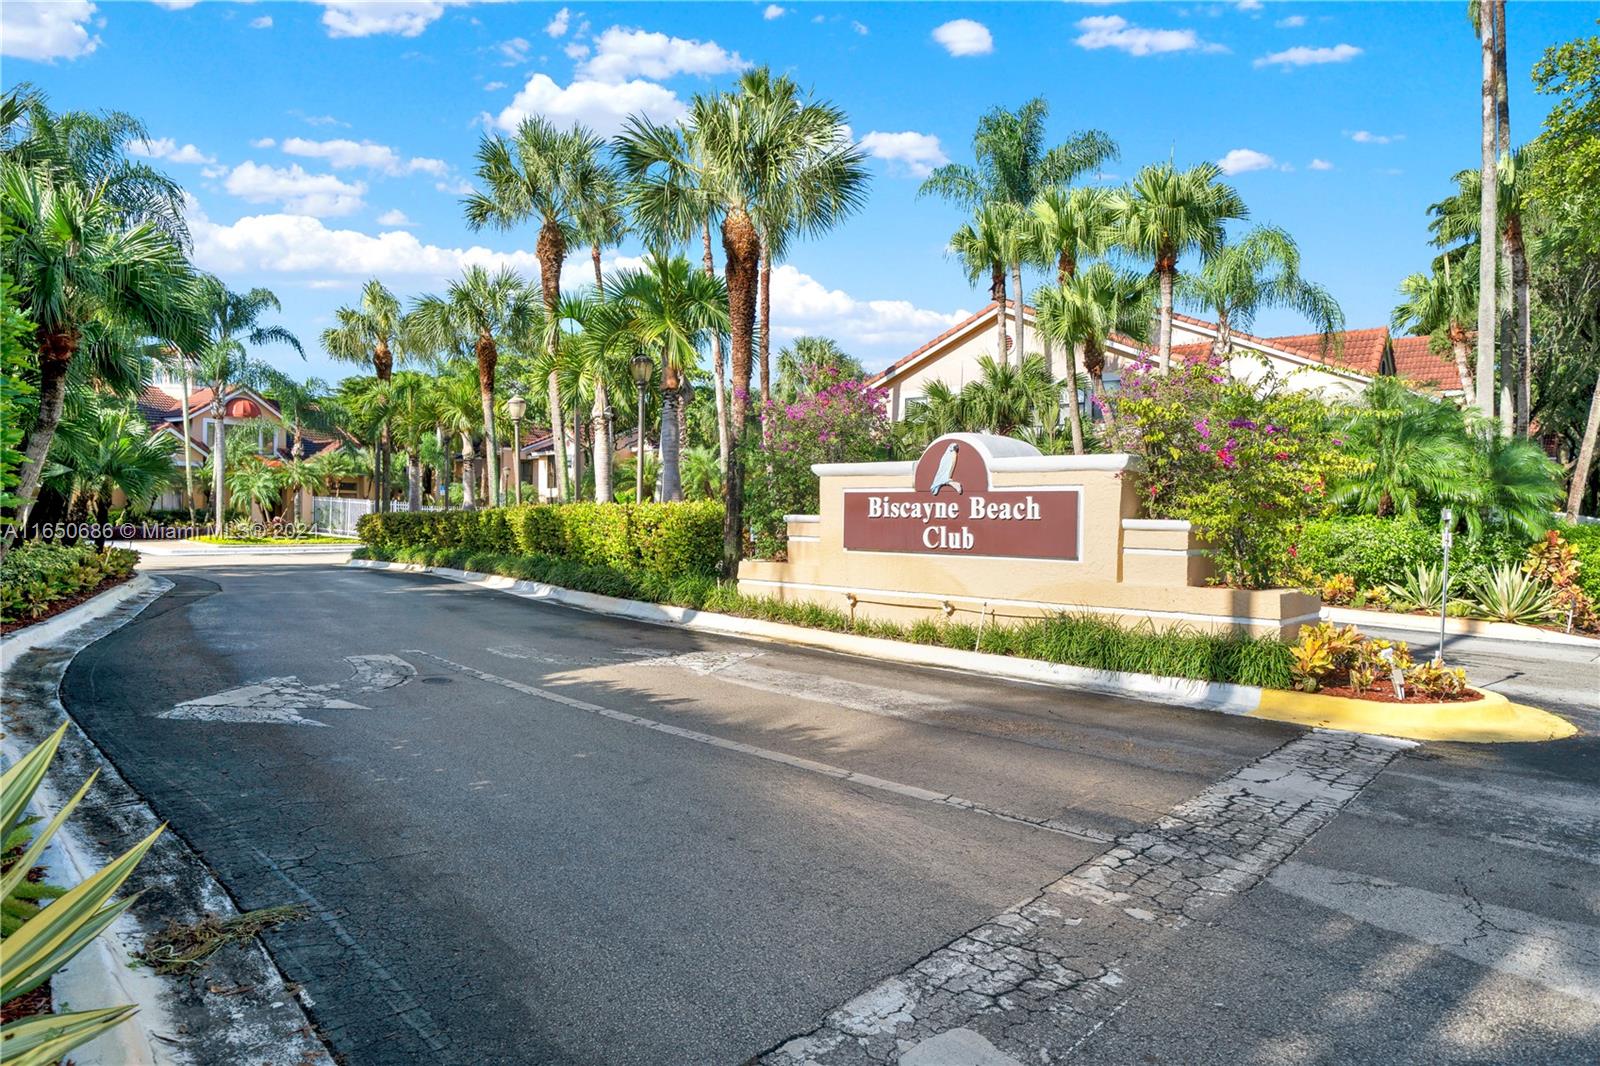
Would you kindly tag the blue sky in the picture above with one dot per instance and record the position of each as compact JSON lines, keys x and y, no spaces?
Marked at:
{"x":328,"y":142}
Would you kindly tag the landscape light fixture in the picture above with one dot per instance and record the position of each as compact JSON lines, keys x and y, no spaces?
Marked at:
{"x":516,"y":407}
{"x":643,"y":368}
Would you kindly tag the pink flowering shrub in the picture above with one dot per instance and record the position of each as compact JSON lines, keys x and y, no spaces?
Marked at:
{"x":1247,"y":463}
{"x":840,"y":420}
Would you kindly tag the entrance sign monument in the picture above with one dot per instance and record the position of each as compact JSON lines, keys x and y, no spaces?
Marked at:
{"x":983,"y":526}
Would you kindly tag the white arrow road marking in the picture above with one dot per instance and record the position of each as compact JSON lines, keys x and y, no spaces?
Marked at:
{"x":736,"y":667}
{"x":287,"y":700}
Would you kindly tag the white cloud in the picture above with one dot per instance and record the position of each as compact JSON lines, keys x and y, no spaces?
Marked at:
{"x":860,"y":28}
{"x":1248,"y":5}
{"x":262,"y":23}
{"x":1302,"y":56}
{"x":557,"y":26}
{"x":515,"y":51}
{"x":802,"y":304}
{"x":622,"y":53}
{"x":214,"y":171}
{"x":263,"y":142}
{"x":1319,"y":164}
{"x":964,"y":37}
{"x":394,"y":217}
{"x":919,"y":153}
{"x":319,"y":195}
{"x":1291,"y":23}
{"x":174,"y":5}
{"x":457,"y":186}
{"x":600,"y":105}
{"x":366,"y":18}
{"x":1368,"y":137}
{"x":166,"y":148}
{"x":494,"y":86}
{"x":46,"y":31}
{"x":774,"y":11}
{"x":1244,"y":160}
{"x":1114,"y":31}
{"x":575,"y":50}
{"x":342,"y":154}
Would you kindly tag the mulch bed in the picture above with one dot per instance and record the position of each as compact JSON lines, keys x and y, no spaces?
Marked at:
{"x":1385,"y":694}
{"x":14,"y":625}
{"x":26,"y":1006}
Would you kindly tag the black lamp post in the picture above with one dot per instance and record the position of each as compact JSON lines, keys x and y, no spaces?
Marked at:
{"x":643,"y":368}
{"x":516,"y":407}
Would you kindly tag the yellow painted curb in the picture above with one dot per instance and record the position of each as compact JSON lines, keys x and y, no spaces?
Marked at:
{"x":1491,"y":720}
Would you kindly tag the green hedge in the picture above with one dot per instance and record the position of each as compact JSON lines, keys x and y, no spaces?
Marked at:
{"x":1381,"y":551}
{"x":37,"y":574}
{"x":1068,"y":639}
{"x":667,"y":540}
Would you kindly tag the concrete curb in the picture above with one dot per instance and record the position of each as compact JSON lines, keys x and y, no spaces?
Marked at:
{"x":178,"y":1021}
{"x":1495,"y":720}
{"x":1456,"y":627}
{"x":157,"y":549}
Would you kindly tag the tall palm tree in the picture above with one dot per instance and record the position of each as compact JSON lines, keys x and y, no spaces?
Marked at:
{"x":810,"y":175}
{"x":602,"y":219}
{"x":113,"y":450}
{"x":1083,"y":310}
{"x":1012,"y":166}
{"x":413,"y":413}
{"x":1488,"y":202}
{"x":460,"y":412}
{"x":78,"y":268}
{"x":553,"y":176}
{"x":1167,"y":212}
{"x":1261,"y":270}
{"x":984,"y":246}
{"x":371,"y":332}
{"x":234,"y":321}
{"x":1443,"y":304}
{"x":477,"y":314}
{"x":603,"y":369}
{"x":580,"y":386}
{"x":672,"y":310}
{"x":300,"y":405}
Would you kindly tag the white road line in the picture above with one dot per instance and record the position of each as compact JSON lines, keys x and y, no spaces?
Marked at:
{"x":1563,"y":956}
{"x":736,"y":668}
{"x":810,"y":765}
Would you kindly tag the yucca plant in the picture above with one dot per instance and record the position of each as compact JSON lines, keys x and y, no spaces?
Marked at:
{"x":1506,"y":594}
{"x":47,"y":940}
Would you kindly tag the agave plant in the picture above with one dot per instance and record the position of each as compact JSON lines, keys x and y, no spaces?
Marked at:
{"x":1506,"y":594}
{"x":45,"y":942}
{"x":1422,"y":589}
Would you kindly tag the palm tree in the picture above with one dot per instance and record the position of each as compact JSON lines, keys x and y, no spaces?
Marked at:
{"x":1444,"y":305}
{"x":984,"y":245}
{"x":671,"y":309}
{"x":602,"y":221}
{"x":939,"y":410}
{"x":810,"y":175}
{"x":1488,"y":202}
{"x":1082,"y":312}
{"x":301,"y":408}
{"x":113,"y":450}
{"x":555,"y":176}
{"x":702,"y":479}
{"x":806,"y":360}
{"x":372,"y":332}
{"x":476,"y":315}
{"x":1012,"y":166}
{"x":1167,"y":212}
{"x":460,"y":415}
{"x":233,"y":322}
{"x":412,"y":414}
{"x":1261,"y":270}
{"x":77,"y":269}
{"x":581,"y":382}
{"x":1413,"y":451}
{"x":1005,"y":398}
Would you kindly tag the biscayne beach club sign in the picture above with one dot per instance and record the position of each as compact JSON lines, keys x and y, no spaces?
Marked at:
{"x":951,"y":509}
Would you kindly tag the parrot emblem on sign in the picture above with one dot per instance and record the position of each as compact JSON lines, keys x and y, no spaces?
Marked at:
{"x":947,"y":466}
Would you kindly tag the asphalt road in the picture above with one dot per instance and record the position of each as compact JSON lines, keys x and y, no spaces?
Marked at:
{"x":533,"y":835}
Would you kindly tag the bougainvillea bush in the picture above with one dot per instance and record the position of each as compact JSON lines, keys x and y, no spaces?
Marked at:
{"x":839,"y":420}
{"x":1248,"y":463}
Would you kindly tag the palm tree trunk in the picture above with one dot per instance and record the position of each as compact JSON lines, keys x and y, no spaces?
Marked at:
{"x":1459,"y":348}
{"x":717,"y":364}
{"x":552,"y":250}
{"x":763,"y":331}
{"x":671,"y":480}
{"x":188,"y":442}
{"x":603,"y":448}
{"x":1074,"y":415}
{"x":1581,"y":472}
{"x":219,"y":459}
{"x":441,"y":475}
{"x":1487,"y":229}
{"x":742,"y":254}
{"x":997,"y":293}
{"x":1522,"y":330}
{"x":577,"y":448}
{"x":488,"y":355}
{"x":413,"y":481}
{"x":1016,"y":277}
{"x":469,"y":473}
{"x":1224,"y":342}
{"x":1166,"y":270}
{"x":55,"y":356}
{"x":599,"y":278}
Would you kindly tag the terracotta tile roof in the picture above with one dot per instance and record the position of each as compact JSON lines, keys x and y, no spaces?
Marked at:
{"x":1361,"y":350}
{"x":1418,"y":366}
{"x":156,"y":406}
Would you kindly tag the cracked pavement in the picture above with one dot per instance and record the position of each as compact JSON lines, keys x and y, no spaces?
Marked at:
{"x":570,"y":839}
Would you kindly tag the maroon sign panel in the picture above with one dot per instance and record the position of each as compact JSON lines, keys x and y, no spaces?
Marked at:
{"x":951,"y":510}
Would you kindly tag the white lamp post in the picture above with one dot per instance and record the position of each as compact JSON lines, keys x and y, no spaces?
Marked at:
{"x":516,"y":407}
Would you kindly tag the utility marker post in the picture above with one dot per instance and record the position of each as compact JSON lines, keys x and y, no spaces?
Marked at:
{"x":1446,"y":522}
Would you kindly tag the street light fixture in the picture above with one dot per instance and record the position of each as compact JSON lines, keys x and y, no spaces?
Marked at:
{"x":516,"y":407}
{"x":643,"y":369}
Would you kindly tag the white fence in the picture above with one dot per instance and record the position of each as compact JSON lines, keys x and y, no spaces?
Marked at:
{"x":331,"y":514}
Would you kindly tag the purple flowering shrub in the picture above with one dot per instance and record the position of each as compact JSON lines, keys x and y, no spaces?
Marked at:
{"x":1247,"y":463}
{"x":840,"y":420}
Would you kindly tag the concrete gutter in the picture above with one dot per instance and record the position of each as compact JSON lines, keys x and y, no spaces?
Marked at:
{"x":179,"y":1020}
{"x":1493,"y":720}
{"x":1472,"y":627}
